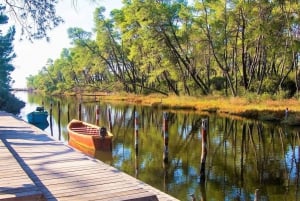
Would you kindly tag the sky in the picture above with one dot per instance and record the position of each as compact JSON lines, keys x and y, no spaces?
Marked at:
{"x":31,"y":57}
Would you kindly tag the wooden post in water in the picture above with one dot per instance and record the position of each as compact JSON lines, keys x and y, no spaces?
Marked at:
{"x":203,"y":192}
{"x":68,"y":112}
{"x":109,"y":119}
{"x":97,"y":114}
{"x":166,"y":177}
{"x":51,"y":127}
{"x":59,"y":126}
{"x":136,"y":163}
{"x":298,"y":156}
{"x":166,"y":138}
{"x":79,"y":111}
{"x":297,"y":161}
{"x":136,"y":131}
{"x":204,"y":149}
{"x":257,"y":195}
{"x":166,"y":149}
{"x":136,"y":143}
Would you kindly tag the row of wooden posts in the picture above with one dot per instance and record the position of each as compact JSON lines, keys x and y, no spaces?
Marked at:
{"x":204,"y":128}
{"x":79,"y":117}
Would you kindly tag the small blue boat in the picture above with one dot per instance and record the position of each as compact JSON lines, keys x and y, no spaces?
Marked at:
{"x":38,"y":116}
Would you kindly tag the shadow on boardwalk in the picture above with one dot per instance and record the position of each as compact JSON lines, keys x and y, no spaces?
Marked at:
{"x":51,"y":170}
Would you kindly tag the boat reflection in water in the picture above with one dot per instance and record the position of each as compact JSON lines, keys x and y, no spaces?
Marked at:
{"x":103,"y":155}
{"x":41,"y":125}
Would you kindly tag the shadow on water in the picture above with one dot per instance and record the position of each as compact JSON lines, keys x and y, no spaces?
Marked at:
{"x":190,"y":155}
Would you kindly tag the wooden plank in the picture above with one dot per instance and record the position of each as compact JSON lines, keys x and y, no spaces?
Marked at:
{"x":15,"y":185}
{"x":25,"y":196}
{"x":21,"y":192}
{"x":124,"y":194}
{"x":95,"y":189}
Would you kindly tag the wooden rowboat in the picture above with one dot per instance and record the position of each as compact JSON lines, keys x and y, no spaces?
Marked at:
{"x":89,"y":136}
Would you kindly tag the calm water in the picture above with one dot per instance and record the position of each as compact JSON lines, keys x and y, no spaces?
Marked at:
{"x":242,"y":155}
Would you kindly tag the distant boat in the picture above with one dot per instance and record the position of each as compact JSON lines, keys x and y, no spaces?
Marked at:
{"x":89,"y":136}
{"x":39,"y":116}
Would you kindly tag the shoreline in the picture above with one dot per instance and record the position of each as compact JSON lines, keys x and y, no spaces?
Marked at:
{"x":286,"y":111}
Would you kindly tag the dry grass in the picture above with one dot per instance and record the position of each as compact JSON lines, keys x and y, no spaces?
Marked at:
{"x":220,"y":104}
{"x":269,"y":110}
{"x":253,"y":107}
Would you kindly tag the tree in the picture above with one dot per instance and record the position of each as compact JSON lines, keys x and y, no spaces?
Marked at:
{"x":113,"y":54}
{"x":168,"y":46}
{"x":8,"y":101}
{"x":36,"y":18}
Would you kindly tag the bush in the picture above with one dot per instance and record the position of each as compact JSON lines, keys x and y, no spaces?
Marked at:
{"x":218,"y":83}
{"x":289,"y":87}
{"x":11,"y":104}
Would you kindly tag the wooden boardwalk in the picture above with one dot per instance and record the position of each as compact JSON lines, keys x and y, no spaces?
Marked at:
{"x":33,"y":166}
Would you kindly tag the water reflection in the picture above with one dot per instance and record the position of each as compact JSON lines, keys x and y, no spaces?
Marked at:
{"x":106,"y":156}
{"x":243,"y":158}
{"x":41,"y":125}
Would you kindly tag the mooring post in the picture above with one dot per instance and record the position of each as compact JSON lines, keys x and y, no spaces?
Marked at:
{"x":203,"y":196}
{"x":166,"y":138}
{"x":136,"y":163}
{"x":257,"y":195}
{"x":109,"y":119}
{"x":297,"y":159}
{"x":59,"y":126}
{"x":286,"y":113}
{"x":79,"y":111}
{"x":136,"y":131}
{"x":97,"y":114}
{"x":204,"y":149}
{"x":51,"y":128}
{"x":68,"y":112}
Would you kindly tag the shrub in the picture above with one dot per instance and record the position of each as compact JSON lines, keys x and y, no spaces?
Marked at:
{"x":218,"y":83}
{"x":11,"y":104}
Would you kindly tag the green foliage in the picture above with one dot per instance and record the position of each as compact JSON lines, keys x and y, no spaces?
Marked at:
{"x":218,"y":83}
{"x":8,"y":101}
{"x":270,"y":84}
{"x":289,"y":87}
{"x":234,"y":48}
{"x":36,"y":18}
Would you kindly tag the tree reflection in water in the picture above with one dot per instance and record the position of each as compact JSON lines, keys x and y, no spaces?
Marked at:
{"x":244,"y":158}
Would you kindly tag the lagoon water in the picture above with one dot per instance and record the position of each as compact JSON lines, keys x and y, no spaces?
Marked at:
{"x":244,"y":159}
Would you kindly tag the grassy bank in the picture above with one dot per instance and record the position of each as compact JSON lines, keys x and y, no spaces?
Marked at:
{"x":267,"y":110}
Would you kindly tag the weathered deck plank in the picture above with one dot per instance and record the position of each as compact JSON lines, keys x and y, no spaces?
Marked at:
{"x":31,"y":163}
{"x":15,"y":184}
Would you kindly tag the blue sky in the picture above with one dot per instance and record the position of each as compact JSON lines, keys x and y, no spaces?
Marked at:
{"x":31,"y":57}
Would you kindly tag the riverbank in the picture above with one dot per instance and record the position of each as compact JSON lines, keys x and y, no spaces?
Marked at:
{"x":285,"y":111}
